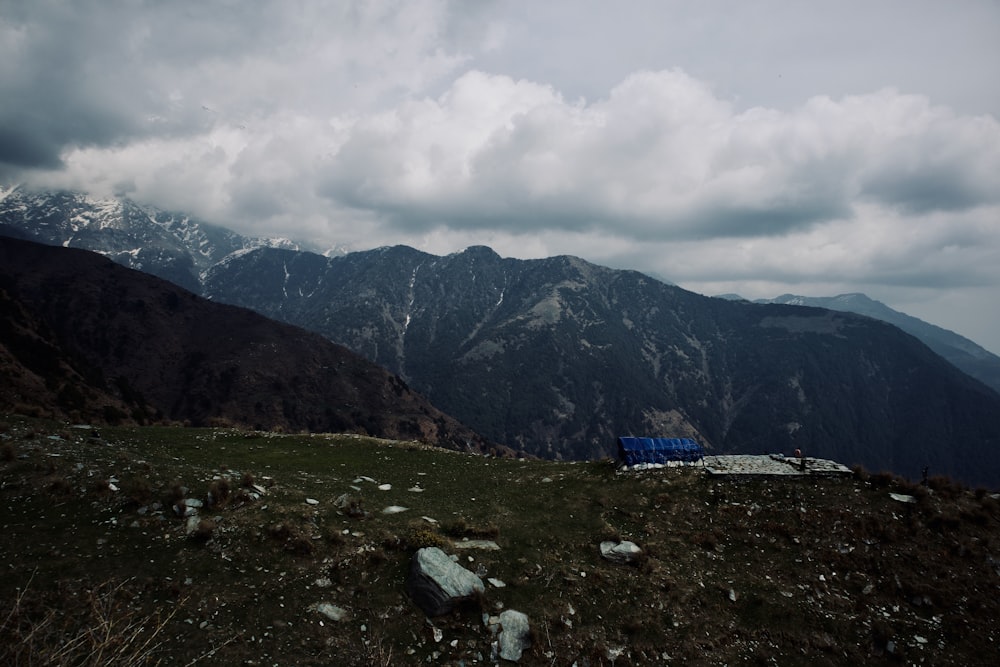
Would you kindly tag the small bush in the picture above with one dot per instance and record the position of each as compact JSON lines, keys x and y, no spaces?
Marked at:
{"x":204,"y":531}
{"x":219,"y":491}
{"x":292,"y":539}
{"x":59,"y":486}
{"x":462,"y":528}
{"x":882,"y":479}
{"x":425,"y":537}
{"x":706,"y":540}
{"x":945,"y":487}
{"x":138,"y":490}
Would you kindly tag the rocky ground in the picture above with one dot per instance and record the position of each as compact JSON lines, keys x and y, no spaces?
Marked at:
{"x":225,"y":547}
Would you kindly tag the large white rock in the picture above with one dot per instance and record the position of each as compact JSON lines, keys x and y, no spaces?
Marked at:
{"x":514,"y":635}
{"x":436,"y":583}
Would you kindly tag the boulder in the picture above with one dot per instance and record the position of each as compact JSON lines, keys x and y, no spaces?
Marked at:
{"x":620,"y":552}
{"x":436,"y":583}
{"x":515,"y":635}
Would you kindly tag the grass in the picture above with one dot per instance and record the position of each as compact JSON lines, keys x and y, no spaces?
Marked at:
{"x":822,"y":571}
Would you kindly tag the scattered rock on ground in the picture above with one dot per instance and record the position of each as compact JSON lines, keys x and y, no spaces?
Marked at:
{"x":620,"y":552}
{"x":436,"y":583}
{"x":331,"y":611}
{"x":514,"y":635}
{"x":484,"y":545}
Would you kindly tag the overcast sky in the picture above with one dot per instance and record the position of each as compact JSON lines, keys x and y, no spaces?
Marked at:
{"x":755,"y":147}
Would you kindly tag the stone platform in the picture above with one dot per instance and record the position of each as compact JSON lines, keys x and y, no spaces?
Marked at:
{"x":767,"y":465}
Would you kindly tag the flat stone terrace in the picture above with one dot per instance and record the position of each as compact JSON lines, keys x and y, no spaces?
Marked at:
{"x":739,"y":465}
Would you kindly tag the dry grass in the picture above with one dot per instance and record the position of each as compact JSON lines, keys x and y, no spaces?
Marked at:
{"x":854,"y":568}
{"x":100,"y":630}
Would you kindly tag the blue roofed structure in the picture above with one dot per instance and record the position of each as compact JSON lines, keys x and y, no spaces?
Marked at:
{"x":634,"y":451}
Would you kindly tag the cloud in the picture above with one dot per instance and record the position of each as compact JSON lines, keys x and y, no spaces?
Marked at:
{"x":745,"y":148}
{"x":98,"y":73}
{"x":661,"y":157}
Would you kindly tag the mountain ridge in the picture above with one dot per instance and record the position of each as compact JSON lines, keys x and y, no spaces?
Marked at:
{"x":163,"y":353}
{"x":965,"y":354}
{"x":559,"y":357}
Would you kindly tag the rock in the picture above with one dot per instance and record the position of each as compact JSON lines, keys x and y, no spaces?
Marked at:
{"x":515,"y":635}
{"x":899,"y":497}
{"x":620,"y":552}
{"x":312,"y":501}
{"x":191,"y":525}
{"x":331,"y":611}
{"x":484,"y":545}
{"x":394,"y":509}
{"x":384,"y":487}
{"x":436,"y":583}
{"x":496,"y":583}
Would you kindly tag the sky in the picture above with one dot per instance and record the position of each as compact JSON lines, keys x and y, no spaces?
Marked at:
{"x":756,"y":148}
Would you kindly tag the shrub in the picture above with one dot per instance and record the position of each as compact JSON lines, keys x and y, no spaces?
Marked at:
{"x":219,"y":491}
{"x":462,"y":528}
{"x":882,"y":479}
{"x":425,"y":537}
{"x":204,"y":531}
{"x":945,"y":487}
{"x":138,"y":490}
{"x":60,"y":486}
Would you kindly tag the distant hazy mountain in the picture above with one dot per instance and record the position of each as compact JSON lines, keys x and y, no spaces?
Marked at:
{"x":559,"y":357}
{"x":962,"y":352}
{"x":172,"y":246}
{"x":84,"y":338}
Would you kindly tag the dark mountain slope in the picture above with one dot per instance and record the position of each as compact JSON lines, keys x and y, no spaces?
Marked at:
{"x":168,"y":353}
{"x":960,"y":351}
{"x":559,"y":356}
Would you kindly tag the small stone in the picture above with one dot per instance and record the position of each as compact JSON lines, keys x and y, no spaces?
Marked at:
{"x":732,"y":595}
{"x":332,"y":612}
{"x":384,"y":487}
{"x":394,"y":509}
{"x":312,"y":501}
{"x":620,"y":552}
{"x":496,"y":583}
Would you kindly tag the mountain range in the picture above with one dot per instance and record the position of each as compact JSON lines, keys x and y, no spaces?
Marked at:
{"x":960,"y":351}
{"x":558,"y":356}
{"x":84,"y":338}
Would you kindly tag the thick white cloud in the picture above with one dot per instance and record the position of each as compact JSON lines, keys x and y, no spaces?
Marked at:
{"x":760,"y":148}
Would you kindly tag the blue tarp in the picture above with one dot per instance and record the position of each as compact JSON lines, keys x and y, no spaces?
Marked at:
{"x":633,"y":451}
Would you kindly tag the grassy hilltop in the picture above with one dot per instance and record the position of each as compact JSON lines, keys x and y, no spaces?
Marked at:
{"x":99,"y":567}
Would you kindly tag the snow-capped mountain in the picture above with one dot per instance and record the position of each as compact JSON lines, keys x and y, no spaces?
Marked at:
{"x":173,"y":246}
